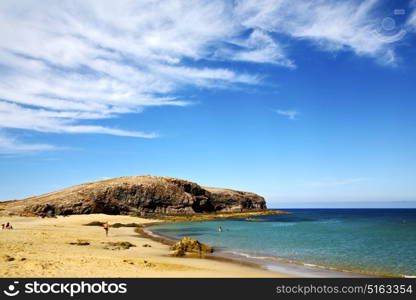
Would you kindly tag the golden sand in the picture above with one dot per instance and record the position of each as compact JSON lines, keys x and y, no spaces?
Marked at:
{"x":39,"y":247}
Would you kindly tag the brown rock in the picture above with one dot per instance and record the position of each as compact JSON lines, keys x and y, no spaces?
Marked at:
{"x":118,"y":245}
{"x":140,"y":195}
{"x":80,"y":243}
{"x":8,"y":258}
{"x":188,"y":245}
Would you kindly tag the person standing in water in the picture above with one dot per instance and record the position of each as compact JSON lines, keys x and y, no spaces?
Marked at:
{"x":219,"y":228}
{"x":106,"y":227}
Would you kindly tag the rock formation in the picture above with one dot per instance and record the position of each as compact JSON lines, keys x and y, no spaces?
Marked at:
{"x":188,"y":245}
{"x":139,"y":195}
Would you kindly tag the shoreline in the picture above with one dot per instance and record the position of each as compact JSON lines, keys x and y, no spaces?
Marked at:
{"x":271,"y":263}
{"x":64,"y":247}
{"x":146,"y":233}
{"x":55,"y":234}
{"x":300,"y":269}
{"x":214,"y":216}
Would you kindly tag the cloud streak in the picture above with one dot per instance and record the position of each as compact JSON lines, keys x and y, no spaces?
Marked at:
{"x":66,"y":62}
{"x":10,"y":145}
{"x":290,"y":114}
{"x":330,"y":25}
{"x":411,"y":21}
{"x":63,"y":63}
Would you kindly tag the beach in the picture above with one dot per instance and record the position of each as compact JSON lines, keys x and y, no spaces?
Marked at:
{"x":64,"y":247}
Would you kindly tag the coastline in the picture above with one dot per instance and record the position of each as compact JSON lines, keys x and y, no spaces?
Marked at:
{"x":146,"y":233}
{"x":53,"y":235}
{"x":270,"y":263}
{"x":298,"y":268}
{"x":214,"y":216}
{"x":65,"y":247}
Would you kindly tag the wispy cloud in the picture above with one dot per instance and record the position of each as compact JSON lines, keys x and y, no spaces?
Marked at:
{"x":9,"y":145}
{"x":259,"y":47}
{"x":290,"y":114}
{"x":66,"y":62}
{"x":16,"y":116}
{"x":331,"y":25}
{"x":411,"y":21}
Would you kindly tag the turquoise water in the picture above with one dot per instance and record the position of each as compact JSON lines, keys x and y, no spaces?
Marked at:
{"x":377,"y":241}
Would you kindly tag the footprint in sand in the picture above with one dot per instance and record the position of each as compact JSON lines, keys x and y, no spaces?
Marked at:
{"x":145,"y":263}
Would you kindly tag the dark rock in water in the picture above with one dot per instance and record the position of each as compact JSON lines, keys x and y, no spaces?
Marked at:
{"x":140,"y":195}
{"x":188,"y":245}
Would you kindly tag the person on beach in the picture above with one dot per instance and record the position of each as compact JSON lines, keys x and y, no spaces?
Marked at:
{"x":106,"y":227}
{"x":9,"y":226}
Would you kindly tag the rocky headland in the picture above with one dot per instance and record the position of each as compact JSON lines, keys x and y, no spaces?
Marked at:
{"x":137,"y":195}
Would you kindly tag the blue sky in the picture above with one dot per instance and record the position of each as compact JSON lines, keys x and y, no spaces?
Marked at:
{"x":303,"y":103}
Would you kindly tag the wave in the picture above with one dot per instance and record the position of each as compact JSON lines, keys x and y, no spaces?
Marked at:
{"x":310,"y":265}
{"x":283,"y":224}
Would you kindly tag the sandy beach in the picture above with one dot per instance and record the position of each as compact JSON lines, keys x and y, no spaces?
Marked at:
{"x":41,"y":247}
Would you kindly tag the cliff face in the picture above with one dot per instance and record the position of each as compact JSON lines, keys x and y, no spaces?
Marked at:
{"x":139,"y":195}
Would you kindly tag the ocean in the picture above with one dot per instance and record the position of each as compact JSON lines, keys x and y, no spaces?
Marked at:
{"x":365,"y":241}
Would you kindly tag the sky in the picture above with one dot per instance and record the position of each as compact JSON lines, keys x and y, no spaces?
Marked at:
{"x":302,"y":102}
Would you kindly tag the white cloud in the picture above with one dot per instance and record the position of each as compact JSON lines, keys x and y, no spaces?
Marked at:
{"x":290,"y":114}
{"x":331,"y":25}
{"x":10,"y":145}
{"x":258,"y":47}
{"x":68,"y":61}
{"x":63,"y":62}
{"x":411,"y":21}
{"x":15,"y":116}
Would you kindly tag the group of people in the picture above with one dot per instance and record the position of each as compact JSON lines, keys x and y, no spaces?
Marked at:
{"x":6,"y":226}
